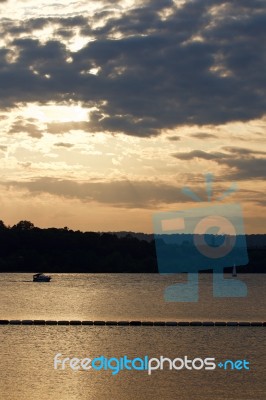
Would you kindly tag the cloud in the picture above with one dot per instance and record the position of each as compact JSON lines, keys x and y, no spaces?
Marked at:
{"x":69,"y":24}
{"x":145,"y":194}
{"x":242,"y":163}
{"x":174,"y":138}
{"x":203,"y":135}
{"x":66,"y":145}
{"x":64,"y":127}
{"x":243,"y":151}
{"x":202,"y":63}
{"x":187,"y":156}
{"x":25,"y":164}
{"x":120,"y":193}
{"x":26,"y":126}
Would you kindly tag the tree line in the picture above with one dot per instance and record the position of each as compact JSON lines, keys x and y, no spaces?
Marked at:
{"x":26,"y":248}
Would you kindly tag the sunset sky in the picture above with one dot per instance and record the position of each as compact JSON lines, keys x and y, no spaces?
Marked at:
{"x":109,"y":108}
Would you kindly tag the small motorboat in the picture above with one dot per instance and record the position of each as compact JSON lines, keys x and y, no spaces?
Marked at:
{"x":41,"y":278}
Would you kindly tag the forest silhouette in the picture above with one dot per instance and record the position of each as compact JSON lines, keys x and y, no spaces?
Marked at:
{"x":26,"y":248}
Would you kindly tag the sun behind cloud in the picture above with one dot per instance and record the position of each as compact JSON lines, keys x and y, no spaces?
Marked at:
{"x":117,"y":105}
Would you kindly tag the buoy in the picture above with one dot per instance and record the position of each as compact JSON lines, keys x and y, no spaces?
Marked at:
{"x":131,"y":323}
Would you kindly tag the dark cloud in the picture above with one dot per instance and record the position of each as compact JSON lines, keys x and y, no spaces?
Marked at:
{"x":174,"y":138}
{"x":70,"y":24}
{"x":157,"y":75}
{"x":62,"y":144}
{"x":239,"y":151}
{"x":76,"y":21}
{"x":203,"y":135}
{"x":26,"y":126}
{"x":241,"y":163}
{"x":64,"y":33}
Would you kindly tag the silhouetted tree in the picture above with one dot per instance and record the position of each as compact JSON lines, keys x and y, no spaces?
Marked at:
{"x":29,"y":249}
{"x":2,"y":226}
{"x":23,"y":226}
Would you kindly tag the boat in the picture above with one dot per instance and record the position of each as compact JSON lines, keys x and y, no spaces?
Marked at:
{"x":40,"y":277}
{"x":234,"y":271}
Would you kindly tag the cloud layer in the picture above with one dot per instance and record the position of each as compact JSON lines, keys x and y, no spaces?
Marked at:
{"x":243,"y":163}
{"x":154,"y":67}
{"x":123,"y":193}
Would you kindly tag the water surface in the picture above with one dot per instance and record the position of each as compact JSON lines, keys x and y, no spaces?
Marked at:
{"x":27,"y":352}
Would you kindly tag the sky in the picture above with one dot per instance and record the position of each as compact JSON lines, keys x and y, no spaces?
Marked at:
{"x":109,"y":108}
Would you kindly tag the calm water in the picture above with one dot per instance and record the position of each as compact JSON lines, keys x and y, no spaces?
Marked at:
{"x":27,"y":352}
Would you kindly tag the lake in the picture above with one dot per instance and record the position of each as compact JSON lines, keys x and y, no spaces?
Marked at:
{"x":27,"y":352}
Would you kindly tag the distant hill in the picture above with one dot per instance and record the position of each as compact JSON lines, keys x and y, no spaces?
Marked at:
{"x":253,"y":241}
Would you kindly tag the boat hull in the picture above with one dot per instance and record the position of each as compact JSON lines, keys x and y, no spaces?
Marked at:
{"x":42,"y":279}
